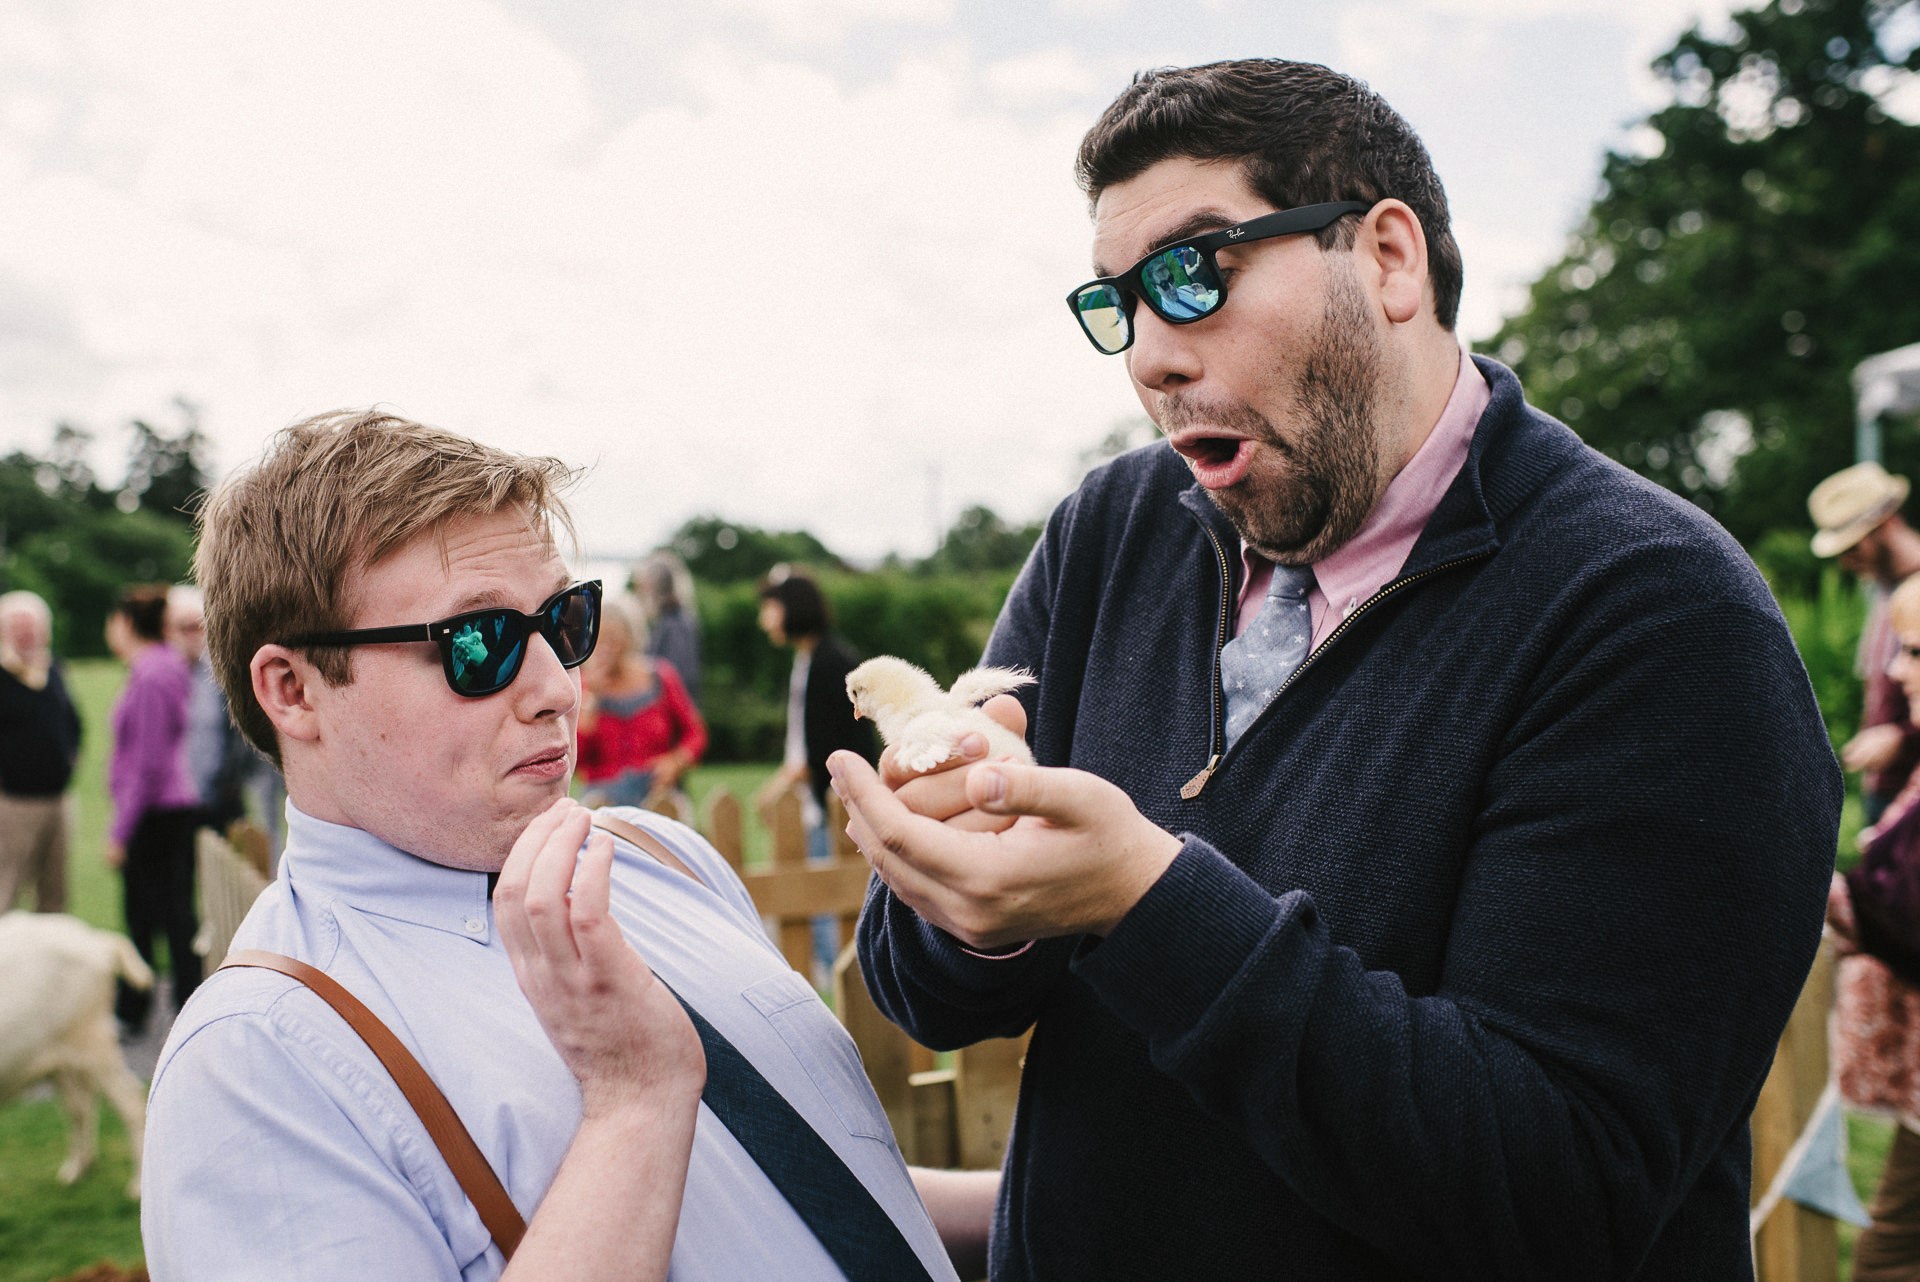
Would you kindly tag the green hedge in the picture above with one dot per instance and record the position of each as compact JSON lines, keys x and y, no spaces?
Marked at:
{"x":942,"y":622}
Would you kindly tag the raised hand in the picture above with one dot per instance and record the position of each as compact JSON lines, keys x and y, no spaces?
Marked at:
{"x":622,"y":1033}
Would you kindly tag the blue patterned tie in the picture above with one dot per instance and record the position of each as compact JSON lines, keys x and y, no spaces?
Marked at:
{"x":1257,"y":662}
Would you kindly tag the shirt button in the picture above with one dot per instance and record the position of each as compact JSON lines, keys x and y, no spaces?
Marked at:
{"x":475,"y":925}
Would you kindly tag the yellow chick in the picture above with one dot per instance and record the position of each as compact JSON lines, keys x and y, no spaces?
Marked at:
{"x":922,"y":723}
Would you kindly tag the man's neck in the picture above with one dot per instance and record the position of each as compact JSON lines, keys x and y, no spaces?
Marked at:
{"x":1435,"y":373}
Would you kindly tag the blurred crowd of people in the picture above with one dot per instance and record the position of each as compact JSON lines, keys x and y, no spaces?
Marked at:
{"x":175,"y":765}
{"x":1873,"y":911}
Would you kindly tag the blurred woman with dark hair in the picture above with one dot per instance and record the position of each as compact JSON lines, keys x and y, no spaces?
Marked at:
{"x":155,"y":806}
{"x":820,"y":720}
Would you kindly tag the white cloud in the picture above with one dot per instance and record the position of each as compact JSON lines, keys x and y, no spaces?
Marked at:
{"x":786,"y":290}
{"x":1042,"y":77}
{"x":783,"y":299}
{"x":816,"y":22}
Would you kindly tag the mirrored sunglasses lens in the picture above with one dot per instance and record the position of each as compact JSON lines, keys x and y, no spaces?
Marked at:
{"x":484,"y":654}
{"x":1180,"y":283}
{"x":1103,"y":316}
{"x":573,"y":625}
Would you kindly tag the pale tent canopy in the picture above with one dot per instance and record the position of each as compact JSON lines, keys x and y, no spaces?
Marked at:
{"x":1885,"y":384}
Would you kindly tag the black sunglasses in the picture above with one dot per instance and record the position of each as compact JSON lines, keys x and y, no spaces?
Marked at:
{"x":1181,"y":282}
{"x":481,"y":651}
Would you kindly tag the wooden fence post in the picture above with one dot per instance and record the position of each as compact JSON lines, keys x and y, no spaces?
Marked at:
{"x":986,"y":1087}
{"x":793,"y":891}
{"x":724,"y":828}
{"x":229,"y":883}
{"x":1795,"y":1244}
{"x":885,"y":1051}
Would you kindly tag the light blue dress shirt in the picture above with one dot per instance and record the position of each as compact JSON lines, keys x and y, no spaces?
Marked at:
{"x":278,"y":1148}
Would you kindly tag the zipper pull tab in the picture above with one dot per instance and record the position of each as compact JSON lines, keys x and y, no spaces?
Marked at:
{"x":1192,"y":787}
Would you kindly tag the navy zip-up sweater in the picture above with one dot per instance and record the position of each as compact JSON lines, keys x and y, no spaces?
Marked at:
{"x":1481,"y":938}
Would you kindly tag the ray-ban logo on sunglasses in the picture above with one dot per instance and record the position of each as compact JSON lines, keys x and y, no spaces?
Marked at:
{"x":1235,"y":233}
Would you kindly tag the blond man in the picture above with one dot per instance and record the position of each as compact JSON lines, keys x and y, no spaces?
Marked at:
{"x":394,"y":625}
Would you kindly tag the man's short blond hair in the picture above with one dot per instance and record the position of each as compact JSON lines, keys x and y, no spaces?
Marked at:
{"x":333,"y":495}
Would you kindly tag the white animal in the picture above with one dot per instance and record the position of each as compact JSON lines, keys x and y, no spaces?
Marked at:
{"x":56,"y":1021}
{"x":922,"y":723}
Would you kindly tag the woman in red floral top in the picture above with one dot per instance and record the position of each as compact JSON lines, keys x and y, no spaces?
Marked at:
{"x":639,"y":731}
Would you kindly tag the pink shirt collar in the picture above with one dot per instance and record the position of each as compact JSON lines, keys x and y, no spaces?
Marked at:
{"x":1368,"y":561}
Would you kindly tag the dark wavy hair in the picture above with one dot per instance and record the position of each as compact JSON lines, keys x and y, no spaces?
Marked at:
{"x":803,"y":606}
{"x":1306,"y":134}
{"x":144,"y":606}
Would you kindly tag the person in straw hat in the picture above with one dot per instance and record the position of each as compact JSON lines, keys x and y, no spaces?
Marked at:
{"x":1856,"y":512}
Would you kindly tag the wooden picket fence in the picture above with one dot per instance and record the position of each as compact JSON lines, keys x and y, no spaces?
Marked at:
{"x":232,"y":872}
{"x":953,"y":1116}
{"x":1795,"y":1244}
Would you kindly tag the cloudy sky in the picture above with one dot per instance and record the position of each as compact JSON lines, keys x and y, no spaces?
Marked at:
{"x":795,"y":262}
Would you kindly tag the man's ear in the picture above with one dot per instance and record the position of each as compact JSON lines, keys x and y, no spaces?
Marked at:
{"x":284,"y":682}
{"x":1392,"y":248}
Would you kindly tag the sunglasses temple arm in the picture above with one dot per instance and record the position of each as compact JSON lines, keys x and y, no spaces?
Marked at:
{"x":367,"y":636}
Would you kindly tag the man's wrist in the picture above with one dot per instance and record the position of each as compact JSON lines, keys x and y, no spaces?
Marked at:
{"x":1139,"y":875}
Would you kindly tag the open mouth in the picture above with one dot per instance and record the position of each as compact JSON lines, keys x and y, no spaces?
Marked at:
{"x":1217,"y":461}
{"x":1210,"y":451}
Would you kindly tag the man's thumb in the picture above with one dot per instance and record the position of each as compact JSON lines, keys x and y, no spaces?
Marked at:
{"x":1013,"y":788}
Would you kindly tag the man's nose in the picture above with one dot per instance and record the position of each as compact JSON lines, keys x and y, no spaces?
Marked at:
{"x":1164,"y":357}
{"x":545,"y":686}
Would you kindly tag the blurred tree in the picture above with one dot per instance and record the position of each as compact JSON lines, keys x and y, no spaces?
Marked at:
{"x":1762,"y":239}
{"x":722,"y":551}
{"x":166,"y":471}
{"x":78,"y":544}
{"x":1126,"y":434}
{"x":980,"y":541}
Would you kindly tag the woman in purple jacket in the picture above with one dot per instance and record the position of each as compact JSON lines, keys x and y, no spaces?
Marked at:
{"x":155,"y":808}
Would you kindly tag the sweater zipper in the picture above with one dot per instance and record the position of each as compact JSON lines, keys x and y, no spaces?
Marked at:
{"x":1198,"y":783}
{"x":1215,"y":744}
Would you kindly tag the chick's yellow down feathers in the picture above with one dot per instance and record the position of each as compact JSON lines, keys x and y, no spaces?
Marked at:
{"x":922,"y":723}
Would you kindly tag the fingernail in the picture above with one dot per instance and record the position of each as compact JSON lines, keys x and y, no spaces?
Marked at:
{"x":973,"y":746}
{"x":833,"y":767}
{"x":993,"y":785}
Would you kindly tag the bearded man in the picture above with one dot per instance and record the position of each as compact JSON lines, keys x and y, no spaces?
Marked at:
{"x":1432,"y":819}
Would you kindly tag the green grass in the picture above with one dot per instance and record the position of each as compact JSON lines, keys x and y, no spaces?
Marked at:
{"x":93,"y":889}
{"x":1868,"y":1139}
{"x":47,"y":1231}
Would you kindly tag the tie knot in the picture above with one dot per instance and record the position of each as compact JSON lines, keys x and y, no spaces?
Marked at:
{"x":1291,"y":582}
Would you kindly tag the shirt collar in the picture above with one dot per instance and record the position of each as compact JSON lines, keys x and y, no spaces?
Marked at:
{"x":332,"y":861}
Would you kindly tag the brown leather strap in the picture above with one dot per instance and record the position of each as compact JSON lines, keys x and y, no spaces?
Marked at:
{"x":469,"y":1164}
{"x":641,"y":838}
